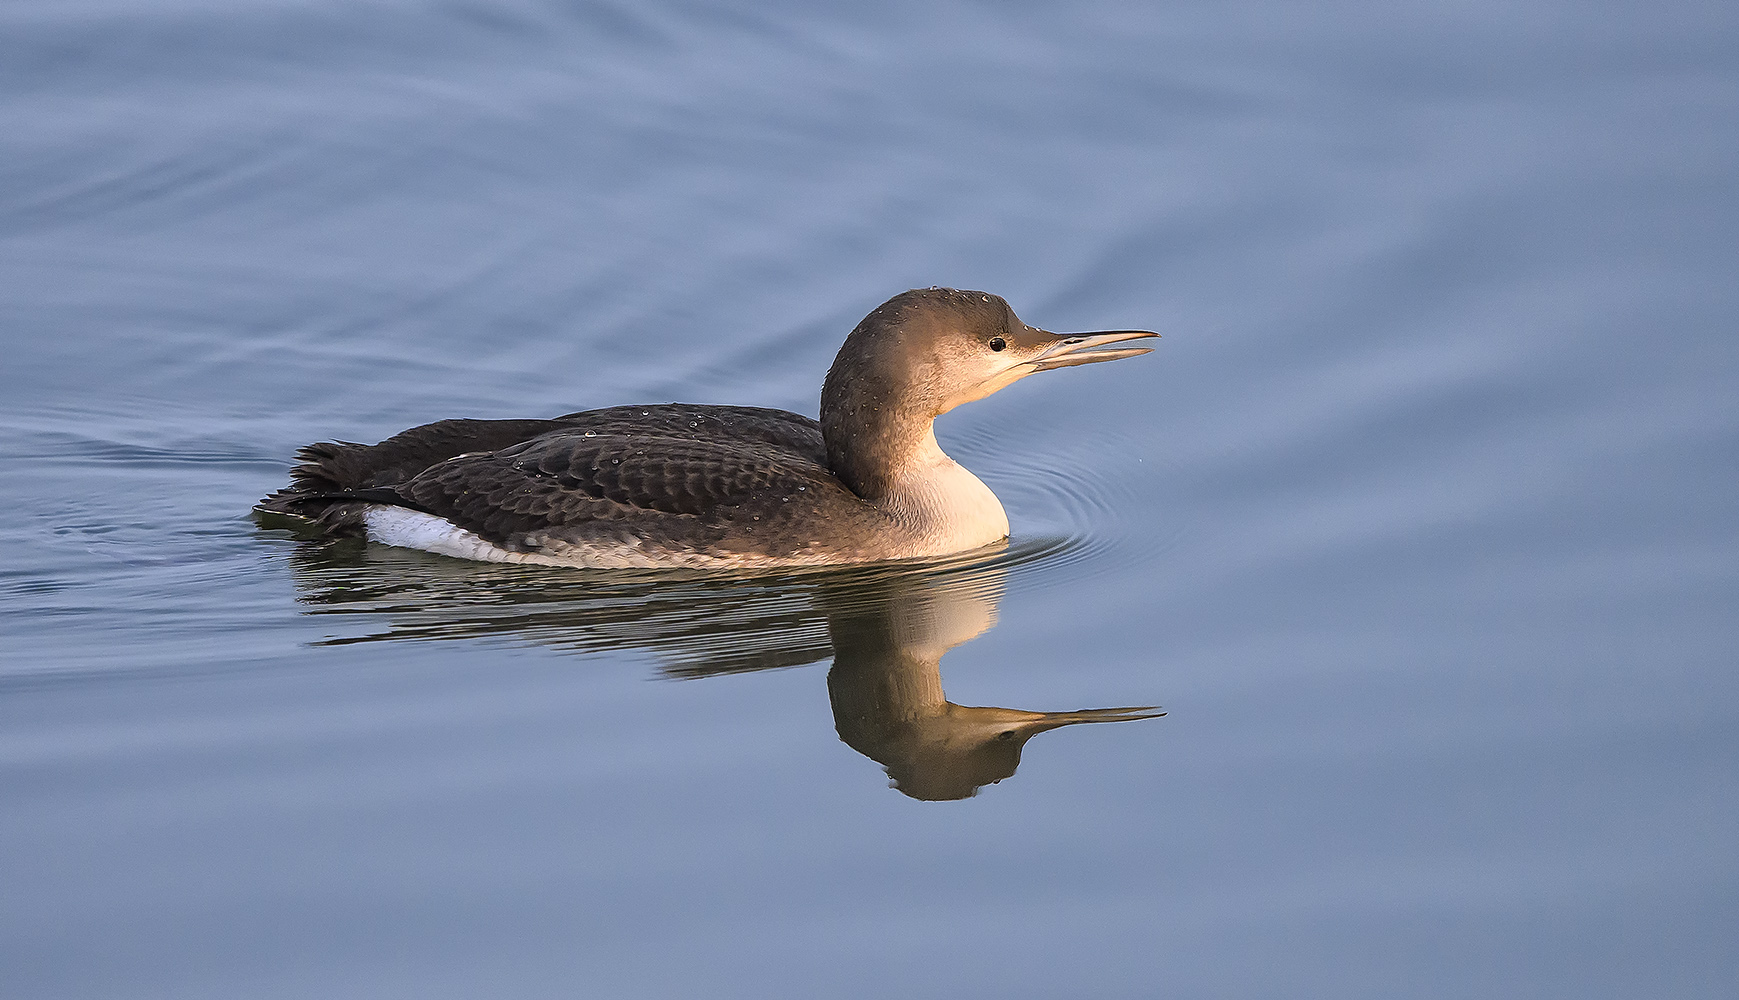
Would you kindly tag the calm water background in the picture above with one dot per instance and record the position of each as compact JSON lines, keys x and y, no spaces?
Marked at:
{"x":1420,"y":522}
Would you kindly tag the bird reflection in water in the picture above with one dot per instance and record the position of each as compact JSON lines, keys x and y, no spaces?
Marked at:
{"x":885,"y":627}
{"x":886,"y":690}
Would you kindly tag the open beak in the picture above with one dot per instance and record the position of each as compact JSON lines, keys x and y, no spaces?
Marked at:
{"x":1084,"y":348}
{"x":1055,"y":350}
{"x":1028,"y":724}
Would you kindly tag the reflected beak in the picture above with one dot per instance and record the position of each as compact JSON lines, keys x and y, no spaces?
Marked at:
{"x":1084,"y":348}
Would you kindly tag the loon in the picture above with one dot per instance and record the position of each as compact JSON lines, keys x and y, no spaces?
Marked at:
{"x":712,"y":487}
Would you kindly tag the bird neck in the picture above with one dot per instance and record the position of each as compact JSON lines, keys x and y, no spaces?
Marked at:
{"x":871,"y":447}
{"x":899,"y":467}
{"x":878,"y":421}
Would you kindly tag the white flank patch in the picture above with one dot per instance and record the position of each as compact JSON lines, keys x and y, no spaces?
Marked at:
{"x":411,"y":529}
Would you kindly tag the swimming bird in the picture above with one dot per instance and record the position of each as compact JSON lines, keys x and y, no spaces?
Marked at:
{"x":712,"y":487}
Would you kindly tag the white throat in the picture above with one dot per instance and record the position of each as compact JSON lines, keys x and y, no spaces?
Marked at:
{"x":948,"y":507}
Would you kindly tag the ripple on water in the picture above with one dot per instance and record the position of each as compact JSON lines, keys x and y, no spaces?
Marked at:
{"x":1083,"y":494}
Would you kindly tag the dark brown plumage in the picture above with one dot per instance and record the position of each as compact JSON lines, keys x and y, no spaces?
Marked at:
{"x":670,"y":476}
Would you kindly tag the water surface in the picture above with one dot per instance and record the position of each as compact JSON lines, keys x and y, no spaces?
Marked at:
{"x":1419,"y":523}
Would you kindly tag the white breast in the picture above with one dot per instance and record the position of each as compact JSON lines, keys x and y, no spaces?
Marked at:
{"x":949,"y":508}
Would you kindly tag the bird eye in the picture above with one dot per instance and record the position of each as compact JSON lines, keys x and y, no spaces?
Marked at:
{"x":997,"y":343}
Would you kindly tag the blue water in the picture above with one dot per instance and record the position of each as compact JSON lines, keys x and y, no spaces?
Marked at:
{"x":1420,"y":523}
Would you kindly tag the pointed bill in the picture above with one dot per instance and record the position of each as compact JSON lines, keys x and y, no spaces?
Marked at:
{"x":1086,"y":348}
